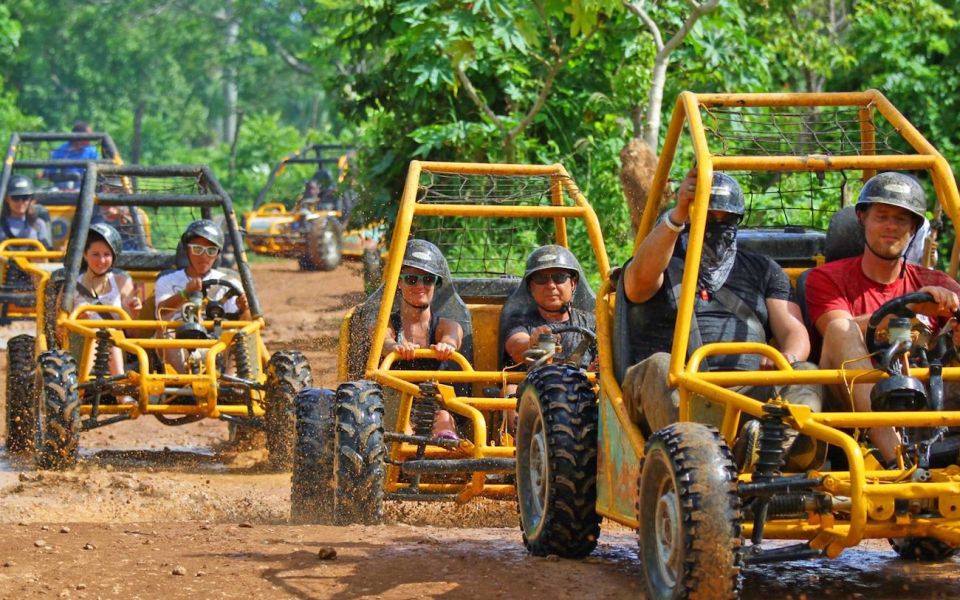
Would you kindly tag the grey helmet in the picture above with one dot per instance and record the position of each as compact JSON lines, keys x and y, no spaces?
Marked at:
{"x":206,"y":229}
{"x":421,"y":254}
{"x":551,"y":256}
{"x":895,"y":189}
{"x":20,"y":185}
{"x":109,"y":235}
{"x":726,"y":195}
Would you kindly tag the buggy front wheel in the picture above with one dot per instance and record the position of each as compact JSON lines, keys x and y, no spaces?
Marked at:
{"x":57,"y":432}
{"x":311,"y":489}
{"x":557,"y":462}
{"x":21,"y":372}
{"x":360,"y":453}
{"x":287,"y":374}
{"x":689,"y":515}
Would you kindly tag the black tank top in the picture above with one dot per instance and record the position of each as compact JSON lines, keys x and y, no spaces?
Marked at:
{"x":418,"y":364}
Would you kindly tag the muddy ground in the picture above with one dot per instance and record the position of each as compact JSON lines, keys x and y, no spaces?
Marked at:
{"x":159,"y":512}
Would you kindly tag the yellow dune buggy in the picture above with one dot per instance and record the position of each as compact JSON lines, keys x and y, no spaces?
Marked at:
{"x":57,"y":185}
{"x":209,"y":364}
{"x":371,"y":439}
{"x":701,"y":518}
{"x":311,"y":227}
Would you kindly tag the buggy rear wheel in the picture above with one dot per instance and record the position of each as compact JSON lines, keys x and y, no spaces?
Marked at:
{"x":21,"y":372}
{"x":372,"y":269}
{"x":58,"y":412}
{"x":360,"y":453}
{"x":923,"y":549}
{"x":557,"y":462}
{"x":689,"y":515}
{"x":311,"y":490}
{"x":287,"y":374}
{"x":324,"y":246}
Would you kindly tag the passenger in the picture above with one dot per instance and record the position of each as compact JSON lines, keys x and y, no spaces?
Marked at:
{"x":73,"y":150}
{"x":203,"y":242}
{"x":99,"y":284}
{"x":118,"y":217}
{"x":18,"y":216}
{"x":741,"y":296}
{"x":415,"y":325}
{"x":843,"y":294}
{"x":551,"y":277}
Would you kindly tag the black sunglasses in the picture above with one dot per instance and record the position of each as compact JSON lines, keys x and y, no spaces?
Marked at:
{"x":544,"y":278}
{"x":413,"y":279}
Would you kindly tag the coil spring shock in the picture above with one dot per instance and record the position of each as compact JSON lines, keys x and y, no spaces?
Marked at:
{"x":769,"y":461}
{"x":424,"y":408}
{"x":101,"y":355}
{"x":241,"y":356}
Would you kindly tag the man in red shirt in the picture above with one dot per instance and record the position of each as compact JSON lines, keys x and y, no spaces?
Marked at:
{"x":843,"y":294}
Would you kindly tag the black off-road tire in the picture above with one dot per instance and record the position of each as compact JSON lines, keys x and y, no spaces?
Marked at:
{"x":51,"y":290}
{"x":21,"y":373}
{"x":360,"y":453}
{"x":557,"y":462}
{"x":324,"y":246}
{"x":689,"y":514}
{"x":312,"y":494}
{"x":923,"y":549}
{"x":287,"y":374}
{"x":57,"y":432}
{"x":372,"y":269}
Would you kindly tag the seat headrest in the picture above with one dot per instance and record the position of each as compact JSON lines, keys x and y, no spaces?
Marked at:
{"x":844,"y":235}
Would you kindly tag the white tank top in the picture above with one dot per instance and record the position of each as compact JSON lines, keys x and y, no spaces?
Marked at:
{"x":109,"y":298}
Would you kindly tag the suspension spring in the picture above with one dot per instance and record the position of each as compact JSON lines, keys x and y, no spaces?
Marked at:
{"x":101,"y":355}
{"x":241,"y":356}
{"x":772,"y":435}
{"x":424,"y":408}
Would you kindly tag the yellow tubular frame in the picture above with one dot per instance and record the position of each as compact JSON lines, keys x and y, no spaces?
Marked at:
{"x":406,"y":381}
{"x":871,"y":493}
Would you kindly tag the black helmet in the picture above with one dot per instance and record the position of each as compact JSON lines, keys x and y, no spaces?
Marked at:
{"x":20,"y":185}
{"x":421,"y":254}
{"x":895,"y":189}
{"x":109,"y":235}
{"x":551,"y":256}
{"x":206,"y":229}
{"x":726,"y":195}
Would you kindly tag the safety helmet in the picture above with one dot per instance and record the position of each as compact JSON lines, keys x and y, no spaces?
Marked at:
{"x":895,"y":189}
{"x":551,"y":256}
{"x":20,"y":185}
{"x":421,"y":254}
{"x":109,"y":235}
{"x":726,"y":195}
{"x":206,"y":229}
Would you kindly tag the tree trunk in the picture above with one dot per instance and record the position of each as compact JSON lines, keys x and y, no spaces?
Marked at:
{"x":651,"y":131}
{"x":230,"y":90}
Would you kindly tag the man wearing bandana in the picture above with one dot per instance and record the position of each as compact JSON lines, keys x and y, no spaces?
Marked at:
{"x":741,"y":297}
{"x":843,"y":294}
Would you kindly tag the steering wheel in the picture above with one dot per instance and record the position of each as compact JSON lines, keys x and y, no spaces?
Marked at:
{"x":214,"y":308}
{"x":898,"y":307}
{"x":585,"y":351}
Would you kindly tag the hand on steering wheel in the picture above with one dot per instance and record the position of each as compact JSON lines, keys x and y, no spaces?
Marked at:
{"x":233,"y":290}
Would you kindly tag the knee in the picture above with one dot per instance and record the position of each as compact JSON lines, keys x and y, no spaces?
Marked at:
{"x":841,"y":330}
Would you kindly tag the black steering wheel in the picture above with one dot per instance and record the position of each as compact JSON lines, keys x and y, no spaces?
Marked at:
{"x":585,"y":351}
{"x":214,"y":308}
{"x":898,"y":307}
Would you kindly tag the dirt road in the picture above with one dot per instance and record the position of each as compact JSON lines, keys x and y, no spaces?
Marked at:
{"x":159,"y":512}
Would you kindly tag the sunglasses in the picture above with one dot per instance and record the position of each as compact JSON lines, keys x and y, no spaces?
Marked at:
{"x":198,"y":250}
{"x":544,"y":278}
{"x":412,"y":279}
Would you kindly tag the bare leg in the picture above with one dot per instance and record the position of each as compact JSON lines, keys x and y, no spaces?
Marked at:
{"x":841,"y":341}
{"x":443,"y":424}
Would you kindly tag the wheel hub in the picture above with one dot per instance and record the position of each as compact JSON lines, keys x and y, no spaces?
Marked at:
{"x":667,"y":534}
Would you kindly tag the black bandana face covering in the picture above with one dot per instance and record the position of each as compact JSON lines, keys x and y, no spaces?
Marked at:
{"x":716,"y":258}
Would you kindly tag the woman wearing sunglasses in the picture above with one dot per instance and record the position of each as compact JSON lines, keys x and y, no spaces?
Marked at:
{"x":551,"y":278}
{"x":415,"y":325}
{"x":203,"y":242}
{"x":18,"y":217}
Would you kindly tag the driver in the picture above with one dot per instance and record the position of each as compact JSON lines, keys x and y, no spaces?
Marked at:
{"x":203,"y":242}
{"x":551,"y":277}
{"x":842,"y":295}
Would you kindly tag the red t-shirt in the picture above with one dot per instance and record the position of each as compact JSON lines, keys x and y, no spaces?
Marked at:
{"x":842,"y":285}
